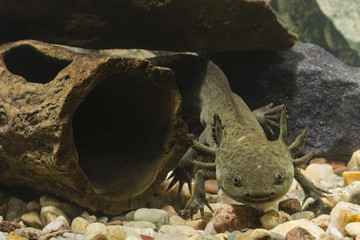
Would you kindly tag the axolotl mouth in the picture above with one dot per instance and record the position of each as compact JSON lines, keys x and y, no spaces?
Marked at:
{"x":256,"y":199}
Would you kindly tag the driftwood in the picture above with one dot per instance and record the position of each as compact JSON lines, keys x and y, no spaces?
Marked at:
{"x":101,"y":131}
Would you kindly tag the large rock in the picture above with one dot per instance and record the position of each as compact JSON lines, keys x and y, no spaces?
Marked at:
{"x":333,"y":25}
{"x":318,"y":90}
{"x":174,"y":25}
{"x":101,"y":131}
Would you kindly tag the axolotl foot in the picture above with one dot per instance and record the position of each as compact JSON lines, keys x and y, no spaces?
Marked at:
{"x":198,"y":199}
{"x":268,"y":116}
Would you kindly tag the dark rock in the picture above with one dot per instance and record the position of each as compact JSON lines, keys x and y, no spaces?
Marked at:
{"x":290,"y":206}
{"x":174,"y":25}
{"x":318,"y":90}
{"x":77,"y":122}
{"x":7,"y":226}
{"x":4,"y":201}
{"x":16,"y":209}
{"x":299,"y":233}
{"x":229,"y":218}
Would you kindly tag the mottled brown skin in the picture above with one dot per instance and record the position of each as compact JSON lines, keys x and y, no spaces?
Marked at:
{"x":249,"y":168}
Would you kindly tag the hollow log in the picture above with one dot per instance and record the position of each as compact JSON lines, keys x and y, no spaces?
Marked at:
{"x":101,"y":131}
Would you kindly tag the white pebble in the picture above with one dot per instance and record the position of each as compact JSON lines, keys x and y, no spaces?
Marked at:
{"x":2,"y":236}
{"x":318,"y":170}
{"x":94,"y":229}
{"x":313,"y":229}
{"x":120,"y":232}
{"x":148,"y":214}
{"x":74,"y":236}
{"x":332,"y":181}
{"x":60,"y":223}
{"x":79,"y":225}
{"x":341,"y":214}
{"x":50,"y":213}
{"x":178,"y":232}
{"x":353,"y":229}
{"x":133,"y":238}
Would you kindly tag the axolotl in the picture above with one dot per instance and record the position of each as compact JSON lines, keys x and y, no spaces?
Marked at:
{"x":249,"y":168}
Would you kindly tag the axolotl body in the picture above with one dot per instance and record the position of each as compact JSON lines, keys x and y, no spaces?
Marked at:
{"x":249,"y":168}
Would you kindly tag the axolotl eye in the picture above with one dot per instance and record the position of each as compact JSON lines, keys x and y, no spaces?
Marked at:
{"x":279,"y":178}
{"x":237,"y":181}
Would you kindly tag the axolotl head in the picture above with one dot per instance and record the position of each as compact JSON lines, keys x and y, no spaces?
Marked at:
{"x":254,"y":171}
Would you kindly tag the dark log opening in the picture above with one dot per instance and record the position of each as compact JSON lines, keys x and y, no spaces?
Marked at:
{"x":119,"y":131}
{"x":33,"y":65}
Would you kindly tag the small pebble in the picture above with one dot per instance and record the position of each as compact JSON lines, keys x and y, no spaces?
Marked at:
{"x":50,"y":213}
{"x":32,"y":219}
{"x":261,"y":234}
{"x":243,"y":235}
{"x":342,"y":214}
{"x":33,"y":206}
{"x":16,"y":208}
{"x":122,"y":232}
{"x":170,"y":210}
{"x":116,"y":222}
{"x":2,"y":236}
{"x":353,"y":229}
{"x":273,"y":218}
{"x":139,"y":224}
{"x":290,"y":206}
{"x":176,"y":232}
{"x":15,"y":236}
{"x":29,"y":233}
{"x":177,"y":220}
{"x":94,"y":229}
{"x":322,"y":221}
{"x":354,"y":192}
{"x":100,"y":236}
{"x":74,"y":236}
{"x":212,"y":186}
{"x":69,"y":209}
{"x":303,"y":215}
{"x":164,"y":219}
{"x":332,"y":181}
{"x":58,"y":224}
{"x":317,"y":170}
{"x":354,"y":163}
{"x":8,"y":226}
{"x":148,"y":214}
{"x":229,"y":218}
{"x":299,"y":233}
{"x":350,"y":177}
{"x":91,"y":219}
{"x":198,"y":224}
{"x":103,"y":220}
{"x":79,"y":225}
{"x":311,"y":227}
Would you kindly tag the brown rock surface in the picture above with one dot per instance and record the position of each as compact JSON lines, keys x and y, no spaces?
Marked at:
{"x":299,"y":233}
{"x":290,"y":206}
{"x":98,"y":130}
{"x":173,"y":25}
{"x":230,"y":217}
